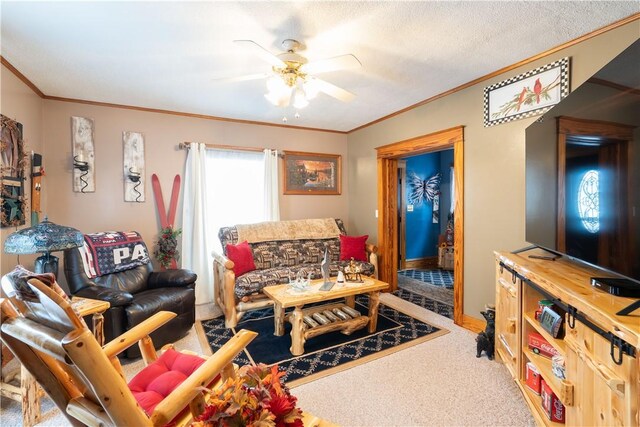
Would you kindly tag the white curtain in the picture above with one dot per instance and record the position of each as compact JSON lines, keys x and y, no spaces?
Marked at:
{"x":236,"y":189}
{"x":196,"y":229}
{"x":271,"y":189}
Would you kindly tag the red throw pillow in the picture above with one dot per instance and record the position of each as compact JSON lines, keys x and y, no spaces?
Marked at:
{"x":353,"y":247}
{"x":242,"y":258}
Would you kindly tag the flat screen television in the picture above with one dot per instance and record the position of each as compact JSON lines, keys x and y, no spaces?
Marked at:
{"x":583,"y":172}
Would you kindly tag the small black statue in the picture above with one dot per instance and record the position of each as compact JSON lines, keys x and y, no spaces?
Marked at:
{"x":485,"y":339}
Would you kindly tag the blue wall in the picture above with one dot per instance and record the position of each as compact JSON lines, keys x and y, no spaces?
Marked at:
{"x":421,"y":234}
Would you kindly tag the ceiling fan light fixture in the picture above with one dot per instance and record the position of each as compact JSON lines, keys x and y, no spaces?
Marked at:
{"x":311,"y":89}
{"x":299,"y":99}
{"x":279,"y":100}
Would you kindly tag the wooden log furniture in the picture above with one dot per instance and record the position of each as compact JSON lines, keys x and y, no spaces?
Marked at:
{"x":601,"y":348}
{"x":29,"y":393}
{"x":86,"y":380}
{"x":279,"y":248}
{"x":284,"y":297}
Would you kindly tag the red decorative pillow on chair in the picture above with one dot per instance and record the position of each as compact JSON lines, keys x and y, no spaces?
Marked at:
{"x":353,"y":247}
{"x":242,"y":258}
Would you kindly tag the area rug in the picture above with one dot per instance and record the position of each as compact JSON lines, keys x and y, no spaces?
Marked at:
{"x":438,"y":277}
{"x":326,"y":354}
{"x":434,"y":298}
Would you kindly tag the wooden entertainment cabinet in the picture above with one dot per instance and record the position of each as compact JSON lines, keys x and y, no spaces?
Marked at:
{"x":601,"y":349}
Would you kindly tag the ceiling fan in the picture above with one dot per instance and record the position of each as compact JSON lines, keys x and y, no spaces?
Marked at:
{"x":293,"y":77}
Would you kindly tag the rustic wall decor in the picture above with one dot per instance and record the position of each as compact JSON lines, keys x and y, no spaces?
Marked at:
{"x":527,"y":94}
{"x":84,"y":175}
{"x":14,"y":160}
{"x":312,"y":173}
{"x":134,"y":166}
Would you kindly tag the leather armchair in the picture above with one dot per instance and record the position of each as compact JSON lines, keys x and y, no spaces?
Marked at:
{"x":135,"y":295}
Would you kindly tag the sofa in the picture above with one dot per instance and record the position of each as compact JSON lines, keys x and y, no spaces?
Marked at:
{"x":279,"y":251}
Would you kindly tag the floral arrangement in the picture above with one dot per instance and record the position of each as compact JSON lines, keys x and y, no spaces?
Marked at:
{"x":167,"y":246}
{"x":256,"y":398}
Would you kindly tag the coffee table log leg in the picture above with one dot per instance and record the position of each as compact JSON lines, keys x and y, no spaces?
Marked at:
{"x":374,"y":301}
{"x":350,"y":301}
{"x":30,"y":398}
{"x":278,"y":320}
{"x":297,"y":332}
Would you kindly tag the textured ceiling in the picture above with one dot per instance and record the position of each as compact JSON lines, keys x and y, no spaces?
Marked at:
{"x":167,"y":55}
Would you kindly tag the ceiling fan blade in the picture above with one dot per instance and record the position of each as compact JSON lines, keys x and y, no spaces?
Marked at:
{"x":261,"y":52}
{"x":333,"y":90}
{"x":242,"y":78}
{"x":341,"y":62}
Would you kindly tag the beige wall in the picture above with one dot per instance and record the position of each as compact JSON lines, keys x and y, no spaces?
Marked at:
{"x":494,"y":172}
{"x":106,"y":210}
{"x":20,"y":103}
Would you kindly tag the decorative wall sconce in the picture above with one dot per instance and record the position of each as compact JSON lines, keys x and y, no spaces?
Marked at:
{"x":83,"y":167}
{"x":134,"y":167}
{"x":84,"y":173}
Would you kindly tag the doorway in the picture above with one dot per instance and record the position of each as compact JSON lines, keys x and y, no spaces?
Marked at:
{"x":425,"y":237}
{"x":388,"y":230}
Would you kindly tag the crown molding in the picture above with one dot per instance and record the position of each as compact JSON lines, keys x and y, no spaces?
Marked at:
{"x":553,"y":50}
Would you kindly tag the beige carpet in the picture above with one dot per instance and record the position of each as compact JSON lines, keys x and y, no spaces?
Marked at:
{"x":437,"y":383}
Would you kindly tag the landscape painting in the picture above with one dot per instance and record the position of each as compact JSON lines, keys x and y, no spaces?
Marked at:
{"x":312,"y":173}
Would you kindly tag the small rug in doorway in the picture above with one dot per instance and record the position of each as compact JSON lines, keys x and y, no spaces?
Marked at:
{"x":439,"y":307}
{"x":437,"y":277}
{"x":325,"y":354}
{"x":433,"y":298}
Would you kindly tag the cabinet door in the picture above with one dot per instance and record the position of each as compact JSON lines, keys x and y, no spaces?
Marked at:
{"x":605,"y":394}
{"x":507,"y":339}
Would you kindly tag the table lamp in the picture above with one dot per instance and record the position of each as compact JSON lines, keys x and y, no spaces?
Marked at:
{"x":44,"y":238}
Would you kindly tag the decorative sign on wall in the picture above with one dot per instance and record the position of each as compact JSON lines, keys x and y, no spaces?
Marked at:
{"x":134,"y":167}
{"x":12,"y":171}
{"x":422,"y":190}
{"x":527,"y":94}
{"x":84,"y":175}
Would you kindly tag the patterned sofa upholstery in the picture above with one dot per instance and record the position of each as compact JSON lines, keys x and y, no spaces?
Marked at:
{"x":276,"y":261}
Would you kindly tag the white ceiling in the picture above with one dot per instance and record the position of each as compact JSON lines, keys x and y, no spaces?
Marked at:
{"x":166,"y":55}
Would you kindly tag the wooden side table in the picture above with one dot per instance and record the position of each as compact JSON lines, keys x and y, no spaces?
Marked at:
{"x":29,"y":392}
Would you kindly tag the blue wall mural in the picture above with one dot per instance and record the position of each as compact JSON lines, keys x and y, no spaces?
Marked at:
{"x":421,"y":238}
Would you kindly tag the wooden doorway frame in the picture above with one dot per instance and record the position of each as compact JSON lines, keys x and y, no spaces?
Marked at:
{"x":388,"y":156}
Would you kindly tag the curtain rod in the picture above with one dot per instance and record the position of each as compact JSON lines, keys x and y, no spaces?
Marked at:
{"x":186,"y":146}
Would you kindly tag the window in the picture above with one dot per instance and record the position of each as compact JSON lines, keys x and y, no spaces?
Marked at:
{"x":235,"y":180}
{"x":589,"y":201}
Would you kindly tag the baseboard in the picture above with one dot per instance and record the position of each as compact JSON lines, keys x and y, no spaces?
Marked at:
{"x":422,"y":263}
{"x":473,"y":324}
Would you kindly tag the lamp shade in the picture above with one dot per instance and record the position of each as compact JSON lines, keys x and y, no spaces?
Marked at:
{"x":44,"y":237}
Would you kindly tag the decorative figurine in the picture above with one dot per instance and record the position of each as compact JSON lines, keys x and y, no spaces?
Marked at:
{"x":325,"y":268}
{"x":353,"y":272}
{"x":485,"y":339}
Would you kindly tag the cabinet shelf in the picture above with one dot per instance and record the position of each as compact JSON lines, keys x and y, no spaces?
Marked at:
{"x":559,"y":344}
{"x":535,"y":403}
{"x":562,"y":388}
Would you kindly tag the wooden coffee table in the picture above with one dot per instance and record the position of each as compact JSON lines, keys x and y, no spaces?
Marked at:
{"x":283,"y":297}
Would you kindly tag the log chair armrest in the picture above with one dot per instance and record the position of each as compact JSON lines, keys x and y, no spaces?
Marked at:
{"x":137,"y":333}
{"x":182,"y":395}
{"x":114,"y":297}
{"x":222,"y":260}
{"x":177,"y":278}
{"x":372,"y":249}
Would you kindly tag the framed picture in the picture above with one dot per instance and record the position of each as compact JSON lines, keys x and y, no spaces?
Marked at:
{"x":527,"y":94}
{"x":312,"y":173}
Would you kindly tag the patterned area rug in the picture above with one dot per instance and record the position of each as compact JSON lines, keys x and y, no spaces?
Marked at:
{"x":439,"y":307}
{"x":325,"y":354}
{"x":435,"y":298}
{"x":442,"y":278}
